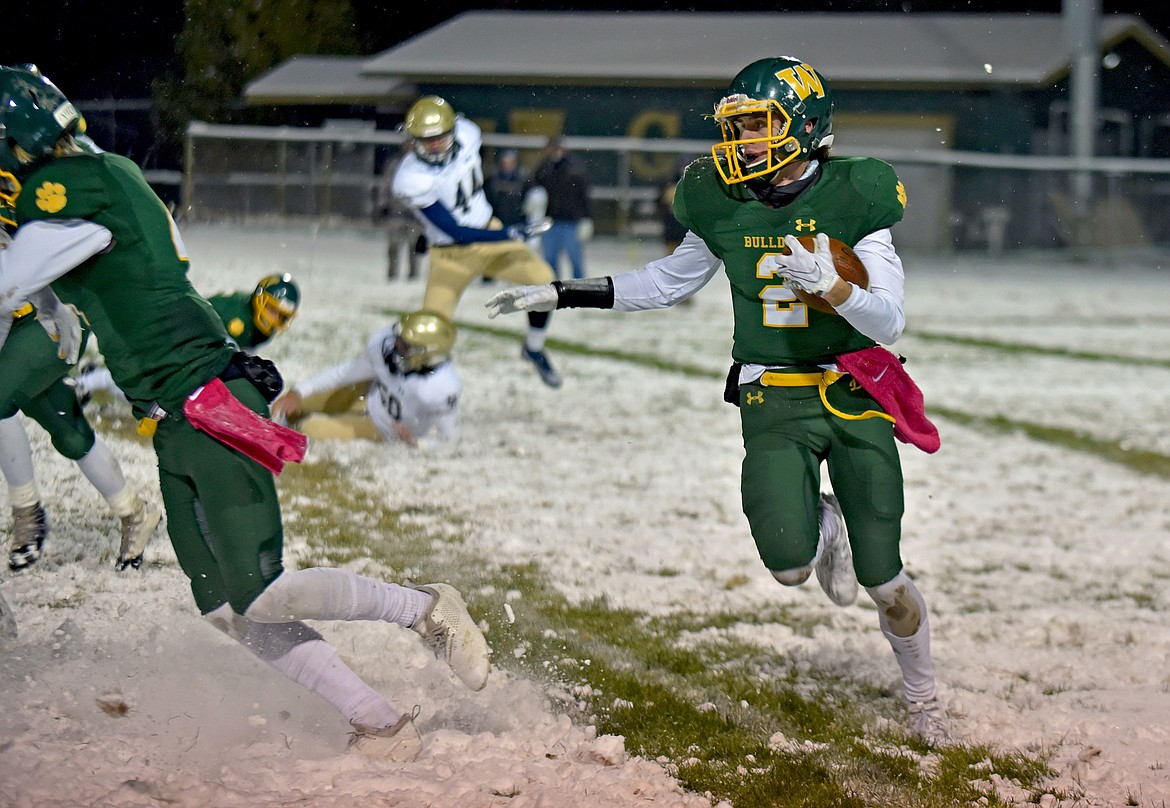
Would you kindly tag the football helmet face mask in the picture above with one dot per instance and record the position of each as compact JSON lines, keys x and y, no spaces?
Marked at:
{"x":274,"y":304}
{"x":9,"y":191}
{"x":776,"y":111}
{"x":425,"y":339}
{"x":34,"y":114}
{"x":430,"y":122}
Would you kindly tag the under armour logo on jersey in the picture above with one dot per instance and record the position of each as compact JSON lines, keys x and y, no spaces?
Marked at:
{"x":755,"y":398}
{"x":801,"y":224}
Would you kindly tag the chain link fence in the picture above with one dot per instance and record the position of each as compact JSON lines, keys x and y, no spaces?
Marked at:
{"x":958,"y":201}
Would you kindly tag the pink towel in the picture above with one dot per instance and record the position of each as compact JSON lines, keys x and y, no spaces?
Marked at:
{"x":883,"y":377}
{"x":214,"y":410}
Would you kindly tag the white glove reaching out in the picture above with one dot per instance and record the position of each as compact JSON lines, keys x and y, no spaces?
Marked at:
{"x":585,"y":230}
{"x":523,"y":298}
{"x":62,"y":322}
{"x":523,"y":232}
{"x":811,"y":272}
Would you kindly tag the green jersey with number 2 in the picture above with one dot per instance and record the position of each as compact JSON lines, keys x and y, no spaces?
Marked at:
{"x":853,"y":197}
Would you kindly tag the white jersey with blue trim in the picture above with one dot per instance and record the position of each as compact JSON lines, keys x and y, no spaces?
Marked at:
{"x":456,"y":185}
{"x":426,"y":403}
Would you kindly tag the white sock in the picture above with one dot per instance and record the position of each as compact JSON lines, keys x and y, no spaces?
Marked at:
{"x":315,"y":666}
{"x":101,"y":468}
{"x":827,"y":529}
{"x":534,"y":339}
{"x":16,"y":457}
{"x":98,"y":379}
{"x":902,"y":610}
{"x":302,"y":655}
{"x":325,"y":593}
{"x":23,"y":496}
{"x":125,"y":502}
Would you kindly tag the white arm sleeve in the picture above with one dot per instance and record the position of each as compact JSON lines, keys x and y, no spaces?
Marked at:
{"x":879,"y":313}
{"x":355,"y":371}
{"x":668,"y":280}
{"x":42,"y":251}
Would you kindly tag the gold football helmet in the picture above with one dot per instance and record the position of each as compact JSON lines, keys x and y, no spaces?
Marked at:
{"x":430,"y":122}
{"x":425,"y":339}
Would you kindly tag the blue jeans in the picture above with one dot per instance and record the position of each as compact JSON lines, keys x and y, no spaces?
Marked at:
{"x":562,"y":238}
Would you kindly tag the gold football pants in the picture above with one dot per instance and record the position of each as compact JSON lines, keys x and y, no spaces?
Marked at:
{"x":455,"y":266}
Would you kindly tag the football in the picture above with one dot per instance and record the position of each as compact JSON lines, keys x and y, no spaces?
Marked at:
{"x":848,"y":266}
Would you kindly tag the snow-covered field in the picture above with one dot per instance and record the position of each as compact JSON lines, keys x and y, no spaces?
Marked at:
{"x":1045,"y":569}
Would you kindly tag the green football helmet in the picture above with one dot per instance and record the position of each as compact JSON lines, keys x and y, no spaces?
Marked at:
{"x":34,"y":114}
{"x":274,"y":303}
{"x":430,"y":122}
{"x":425,"y":339}
{"x":782,"y":97}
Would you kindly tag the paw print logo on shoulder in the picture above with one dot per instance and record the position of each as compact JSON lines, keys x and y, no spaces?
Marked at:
{"x":51,"y":197}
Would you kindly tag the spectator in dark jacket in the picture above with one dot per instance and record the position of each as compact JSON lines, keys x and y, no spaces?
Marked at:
{"x":505,"y":188}
{"x":563,"y":176}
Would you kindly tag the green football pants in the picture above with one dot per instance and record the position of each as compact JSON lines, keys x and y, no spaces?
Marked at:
{"x":32,"y":380}
{"x":223,"y":515}
{"x":787,"y":434}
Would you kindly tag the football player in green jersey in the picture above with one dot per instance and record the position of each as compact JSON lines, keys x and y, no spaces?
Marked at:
{"x":33,"y":381}
{"x":254,"y":317}
{"x":771,"y":179}
{"x":251,"y":317}
{"x":92,"y":232}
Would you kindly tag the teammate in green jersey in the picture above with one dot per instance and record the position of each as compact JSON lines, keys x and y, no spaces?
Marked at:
{"x":769,"y":180}
{"x":251,"y":317}
{"x":32,"y":381}
{"x":92,"y":233}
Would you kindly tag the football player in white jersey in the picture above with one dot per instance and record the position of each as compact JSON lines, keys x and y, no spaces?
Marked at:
{"x":404,"y":387}
{"x":441,"y":180}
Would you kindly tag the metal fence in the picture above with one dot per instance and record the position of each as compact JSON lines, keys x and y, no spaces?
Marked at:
{"x":957,"y":200}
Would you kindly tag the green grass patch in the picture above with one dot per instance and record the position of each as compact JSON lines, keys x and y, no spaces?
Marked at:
{"x":1020,"y":349}
{"x":733,"y":719}
{"x":1139,"y":460}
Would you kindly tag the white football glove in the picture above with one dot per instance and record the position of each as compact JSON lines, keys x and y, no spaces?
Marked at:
{"x":585,"y":231}
{"x":535,"y":203}
{"x":62,"y":322}
{"x":523,"y":298}
{"x":811,"y":272}
{"x":523,"y":232}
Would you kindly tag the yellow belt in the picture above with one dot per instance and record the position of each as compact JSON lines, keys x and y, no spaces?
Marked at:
{"x":773,"y":379}
{"x":821,"y":381}
{"x":24,"y":310}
